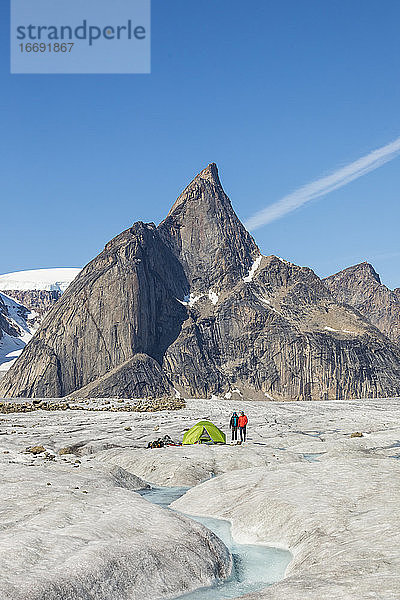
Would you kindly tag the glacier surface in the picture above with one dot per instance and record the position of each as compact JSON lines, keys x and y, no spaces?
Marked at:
{"x":73,"y":526}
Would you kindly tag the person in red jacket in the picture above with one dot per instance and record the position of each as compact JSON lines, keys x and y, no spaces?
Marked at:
{"x":242,"y":422}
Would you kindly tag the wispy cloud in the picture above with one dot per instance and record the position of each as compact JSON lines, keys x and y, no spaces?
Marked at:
{"x":324,"y":185}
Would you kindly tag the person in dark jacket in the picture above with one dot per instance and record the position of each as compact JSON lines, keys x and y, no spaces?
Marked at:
{"x":234,"y":425}
{"x":242,"y":422}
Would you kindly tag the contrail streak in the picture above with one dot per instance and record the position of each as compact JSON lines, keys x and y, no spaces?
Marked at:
{"x":324,"y":185}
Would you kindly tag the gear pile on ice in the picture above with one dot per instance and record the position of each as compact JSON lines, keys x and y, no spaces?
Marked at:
{"x":162,"y":442}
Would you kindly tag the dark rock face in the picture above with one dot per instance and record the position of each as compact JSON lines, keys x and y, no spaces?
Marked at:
{"x":122,"y":303}
{"x":193,"y":305}
{"x":138,"y":377}
{"x":282,"y":335}
{"x":360,"y":287}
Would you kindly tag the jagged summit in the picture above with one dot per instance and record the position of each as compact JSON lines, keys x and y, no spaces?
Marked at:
{"x":360,"y":286}
{"x":210,"y":173}
{"x":368,"y":270}
{"x":205,"y":234}
{"x":366,"y":266}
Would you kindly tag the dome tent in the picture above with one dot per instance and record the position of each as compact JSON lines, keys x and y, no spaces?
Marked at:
{"x":204,"y":432}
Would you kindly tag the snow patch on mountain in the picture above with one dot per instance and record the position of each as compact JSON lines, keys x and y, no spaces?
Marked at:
{"x":213,"y":296}
{"x":190,"y":299}
{"x":253,"y":269}
{"x":339,"y":330}
{"x":39,"y":279}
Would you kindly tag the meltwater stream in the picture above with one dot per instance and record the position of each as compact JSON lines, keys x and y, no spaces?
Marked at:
{"x":254,"y":566}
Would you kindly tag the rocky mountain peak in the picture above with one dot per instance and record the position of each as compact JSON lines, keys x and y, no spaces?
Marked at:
{"x":366,"y":269}
{"x":210,"y":173}
{"x":360,"y":286}
{"x":204,"y":233}
{"x":362,"y":272}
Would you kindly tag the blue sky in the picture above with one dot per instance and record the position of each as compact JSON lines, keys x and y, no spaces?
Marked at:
{"x":276,"y":93}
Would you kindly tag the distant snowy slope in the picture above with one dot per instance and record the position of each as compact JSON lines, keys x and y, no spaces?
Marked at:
{"x":25,"y":298}
{"x":39,"y":279}
{"x":23,"y":323}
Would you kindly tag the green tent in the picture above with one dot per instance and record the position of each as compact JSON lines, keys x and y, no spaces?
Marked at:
{"x":204,"y":432}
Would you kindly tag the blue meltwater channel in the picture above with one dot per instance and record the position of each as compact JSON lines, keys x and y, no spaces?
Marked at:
{"x":254,"y":566}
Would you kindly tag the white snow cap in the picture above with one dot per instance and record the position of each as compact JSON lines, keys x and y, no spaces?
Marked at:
{"x":39,"y":279}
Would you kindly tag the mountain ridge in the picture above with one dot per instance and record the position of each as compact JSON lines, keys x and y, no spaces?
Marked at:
{"x":193,"y":306}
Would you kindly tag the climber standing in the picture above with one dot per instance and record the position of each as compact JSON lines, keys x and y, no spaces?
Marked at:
{"x":233,"y":424}
{"x":242,"y":422}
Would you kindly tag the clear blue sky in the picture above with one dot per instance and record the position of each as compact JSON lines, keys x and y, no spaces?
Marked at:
{"x":276,"y":93}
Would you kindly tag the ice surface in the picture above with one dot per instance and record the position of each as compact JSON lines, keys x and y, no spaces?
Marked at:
{"x":339,"y":515}
{"x":190,"y":465}
{"x":254,"y":566}
{"x":74,"y":531}
{"x":39,"y":279}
